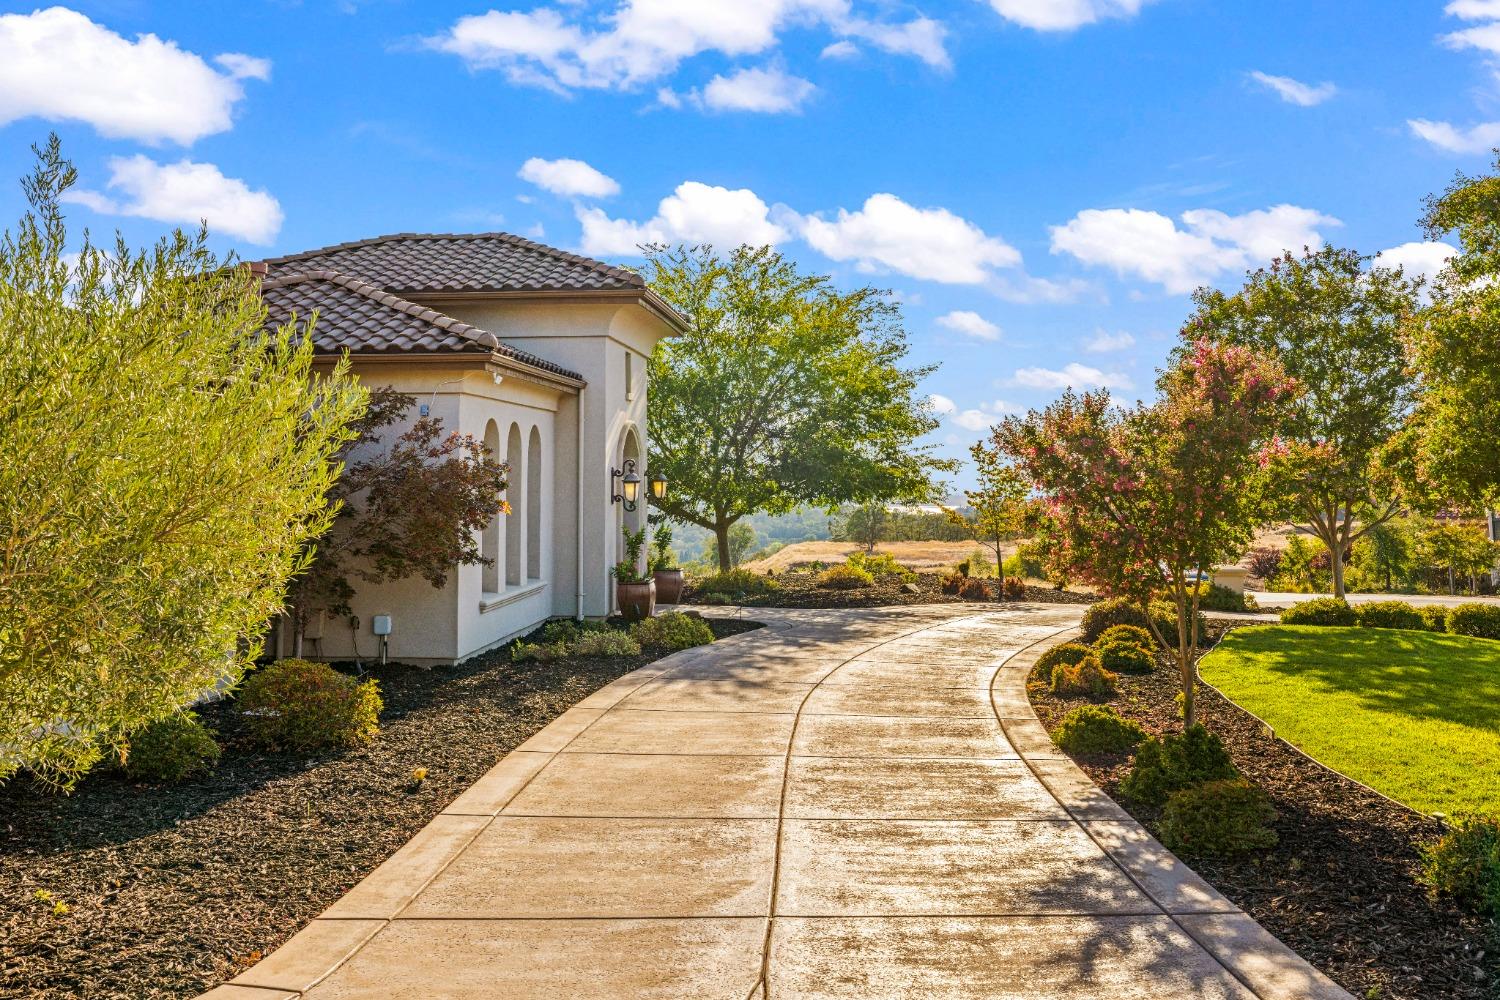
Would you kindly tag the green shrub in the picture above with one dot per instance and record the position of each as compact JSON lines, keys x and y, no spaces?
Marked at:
{"x":1068,"y":653}
{"x":1133,"y":634}
{"x":1434,"y":617}
{"x":1096,"y":729}
{"x":1464,"y":863}
{"x":1121,"y":611}
{"x":561,"y":630}
{"x":1227,"y":816}
{"x":1124,"y":657}
{"x":673,"y":630}
{"x":1482,"y":621}
{"x":1176,"y":762}
{"x":173,"y":749}
{"x":1326,"y":611}
{"x":1212,"y":597}
{"x":299,"y":705}
{"x":715,"y":598}
{"x":737,"y":583}
{"x":610,"y":643}
{"x":1390,"y":614}
{"x":541,"y":652}
{"x":879,"y":564}
{"x":973,"y":589}
{"x":845,"y":577}
{"x":1086,"y":678}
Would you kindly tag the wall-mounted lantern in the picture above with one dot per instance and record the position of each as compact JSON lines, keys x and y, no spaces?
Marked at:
{"x":658,"y":486}
{"x":630,"y":485}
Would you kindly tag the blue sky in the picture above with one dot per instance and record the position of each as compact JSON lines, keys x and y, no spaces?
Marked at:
{"x":1041,"y":182}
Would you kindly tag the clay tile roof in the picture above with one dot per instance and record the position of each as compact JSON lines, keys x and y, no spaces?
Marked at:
{"x":358,"y":317}
{"x":413,"y":263}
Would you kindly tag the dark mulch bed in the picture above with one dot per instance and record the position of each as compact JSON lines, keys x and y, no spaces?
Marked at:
{"x":174,"y":889}
{"x":799,"y":589}
{"x":1340,"y":887}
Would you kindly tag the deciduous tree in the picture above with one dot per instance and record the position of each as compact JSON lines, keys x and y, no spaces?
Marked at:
{"x":1336,"y":327}
{"x":997,"y":504}
{"x":1143,"y":499}
{"x":166,"y":461}
{"x":783,"y":391}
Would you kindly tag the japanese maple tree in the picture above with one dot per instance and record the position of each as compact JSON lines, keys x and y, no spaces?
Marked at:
{"x":1143,"y":499}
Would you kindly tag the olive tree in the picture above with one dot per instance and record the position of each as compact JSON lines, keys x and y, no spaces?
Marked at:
{"x":167,"y":459}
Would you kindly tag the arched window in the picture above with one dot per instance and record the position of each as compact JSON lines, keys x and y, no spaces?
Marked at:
{"x":489,"y":541}
{"x":514,"y":492}
{"x":534,"y":505}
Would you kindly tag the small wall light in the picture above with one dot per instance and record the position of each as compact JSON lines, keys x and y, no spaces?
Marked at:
{"x":658,"y":486}
{"x":630,"y":485}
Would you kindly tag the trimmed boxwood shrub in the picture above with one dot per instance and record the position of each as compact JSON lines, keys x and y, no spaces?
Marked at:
{"x":541,"y":652}
{"x":673,"y":630}
{"x":844,"y":577}
{"x":1121,"y":611}
{"x":1229,"y":816}
{"x":1327,"y":611}
{"x":1434,"y":617}
{"x":736,"y":583}
{"x":1482,"y":621}
{"x":300,"y":705}
{"x":1176,"y":762}
{"x":1096,"y":729}
{"x":1213,"y":597}
{"x":172,"y":749}
{"x":1069,"y":653}
{"x":1390,"y":614}
{"x":1133,"y":634}
{"x":1124,"y":657}
{"x":1464,"y":863}
{"x":1084,"y":678}
{"x":610,"y":643}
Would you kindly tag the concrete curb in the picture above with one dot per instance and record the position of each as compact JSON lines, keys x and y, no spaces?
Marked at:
{"x":1250,"y":953}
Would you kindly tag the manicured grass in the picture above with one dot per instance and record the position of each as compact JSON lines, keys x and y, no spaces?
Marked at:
{"x":1414,"y":715}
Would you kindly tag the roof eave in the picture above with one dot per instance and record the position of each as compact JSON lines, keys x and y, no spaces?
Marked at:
{"x":643,"y":297}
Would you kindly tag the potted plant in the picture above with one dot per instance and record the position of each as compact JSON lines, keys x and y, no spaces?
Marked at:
{"x":634,"y":592}
{"x":668,"y":578}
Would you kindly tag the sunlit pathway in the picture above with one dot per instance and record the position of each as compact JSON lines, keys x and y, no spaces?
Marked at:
{"x":845,"y":804}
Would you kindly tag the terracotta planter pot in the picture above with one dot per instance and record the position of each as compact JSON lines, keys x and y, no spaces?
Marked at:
{"x":668,"y":585}
{"x":637,"y":600}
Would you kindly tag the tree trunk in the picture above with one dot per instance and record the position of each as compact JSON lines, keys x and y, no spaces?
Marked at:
{"x":721,"y":537}
{"x":1185,"y":664}
{"x":1336,"y":553}
{"x":1000,"y":569}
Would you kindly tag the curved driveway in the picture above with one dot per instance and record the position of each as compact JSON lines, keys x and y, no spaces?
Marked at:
{"x":844,"y":804}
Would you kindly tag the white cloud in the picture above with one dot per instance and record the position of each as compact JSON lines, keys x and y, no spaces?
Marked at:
{"x":1073,"y":375}
{"x":1424,"y":260}
{"x":1473,"y":10}
{"x":1064,"y":15}
{"x":1485,"y":38}
{"x":1150,"y":245}
{"x":1479,"y":138}
{"x":769,"y":91}
{"x":982,"y":418}
{"x":1104,"y":342}
{"x":645,"y":40}
{"x":58,"y":65}
{"x":928,"y":243}
{"x":243,"y":67}
{"x":569,"y":178}
{"x":839,"y":50}
{"x":185,"y":193}
{"x":970,"y":324}
{"x":694,"y":213}
{"x":1295,"y":91}
{"x":941,"y":404}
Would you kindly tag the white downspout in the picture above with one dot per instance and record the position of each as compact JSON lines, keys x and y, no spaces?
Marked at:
{"x":578,"y":533}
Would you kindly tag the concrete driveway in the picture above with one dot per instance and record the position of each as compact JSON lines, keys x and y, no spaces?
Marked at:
{"x":844,"y":804}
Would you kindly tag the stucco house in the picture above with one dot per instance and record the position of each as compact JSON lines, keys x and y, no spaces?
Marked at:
{"x":538,"y":352}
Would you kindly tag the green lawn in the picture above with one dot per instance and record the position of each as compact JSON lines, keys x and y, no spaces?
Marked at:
{"x":1413,"y":714}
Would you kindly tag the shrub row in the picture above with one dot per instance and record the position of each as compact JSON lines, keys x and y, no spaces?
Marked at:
{"x":1122,"y":611}
{"x":1480,"y":621}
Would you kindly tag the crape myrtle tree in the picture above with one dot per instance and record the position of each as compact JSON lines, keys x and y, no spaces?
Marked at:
{"x":1455,"y":350}
{"x":1142,"y":499}
{"x":783,"y":392}
{"x":410,"y":504}
{"x":998,"y":508}
{"x":1336,"y":327}
{"x":166,"y":461}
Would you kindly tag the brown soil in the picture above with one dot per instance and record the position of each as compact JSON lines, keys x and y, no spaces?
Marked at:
{"x":801,"y":590}
{"x":173,"y":889}
{"x":1340,"y":888}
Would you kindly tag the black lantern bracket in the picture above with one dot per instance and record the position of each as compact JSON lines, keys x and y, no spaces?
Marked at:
{"x":630,"y":485}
